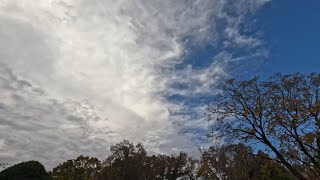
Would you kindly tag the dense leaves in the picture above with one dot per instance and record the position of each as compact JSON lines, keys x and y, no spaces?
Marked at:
{"x":25,"y":170}
{"x":80,"y":168}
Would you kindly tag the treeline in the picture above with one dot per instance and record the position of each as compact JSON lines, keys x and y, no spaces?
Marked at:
{"x":132,"y":162}
{"x":279,"y":118}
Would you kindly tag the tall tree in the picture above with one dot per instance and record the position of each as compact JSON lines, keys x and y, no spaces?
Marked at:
{"x":281,"y":113}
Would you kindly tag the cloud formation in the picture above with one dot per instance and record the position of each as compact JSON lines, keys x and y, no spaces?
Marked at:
{"x":78,"y":75}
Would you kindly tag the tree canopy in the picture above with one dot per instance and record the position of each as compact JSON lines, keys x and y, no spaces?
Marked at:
{"x":281,"y":113}
{"x":237,"y":161}
{"x":131,"y":162}
{"x":79,"y":168}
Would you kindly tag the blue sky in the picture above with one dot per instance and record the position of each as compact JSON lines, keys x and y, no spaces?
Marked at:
{"x":292,"y":33}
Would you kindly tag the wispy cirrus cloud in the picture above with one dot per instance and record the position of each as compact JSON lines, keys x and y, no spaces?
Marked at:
{"x":77,"y":75}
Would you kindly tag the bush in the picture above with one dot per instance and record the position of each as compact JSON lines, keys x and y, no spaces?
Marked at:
{"x":30,"y":170}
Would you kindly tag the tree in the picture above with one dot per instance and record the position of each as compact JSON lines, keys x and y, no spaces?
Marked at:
{"x":269,"y":169}
{"x":226,"y":162}
{"x":25,"y":170}
{"x":281,"y":114}
{"x":125,"y":162}
{"x":131,"y":162}
{"x":171,"y":167}
{"x":237,"y":162}
{"x":82,"y":168}
{"x":178,"y":166}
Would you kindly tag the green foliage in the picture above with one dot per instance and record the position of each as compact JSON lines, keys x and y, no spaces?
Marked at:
{"x":82,"y":168}
{"x":269,"y":169}
{"x":31,"y":170}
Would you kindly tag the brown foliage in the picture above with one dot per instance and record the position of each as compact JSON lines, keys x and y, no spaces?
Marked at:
{"x":281,"y":113}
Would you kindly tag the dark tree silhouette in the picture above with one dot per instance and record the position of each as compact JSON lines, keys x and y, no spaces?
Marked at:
{"x":25,"y":170}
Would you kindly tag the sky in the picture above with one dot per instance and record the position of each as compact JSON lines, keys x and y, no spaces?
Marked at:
{"x":292,"y":34}
{"x":77,"y":76}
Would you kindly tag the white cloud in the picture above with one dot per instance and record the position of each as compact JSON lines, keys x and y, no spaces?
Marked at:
{"x":77,"y":75}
